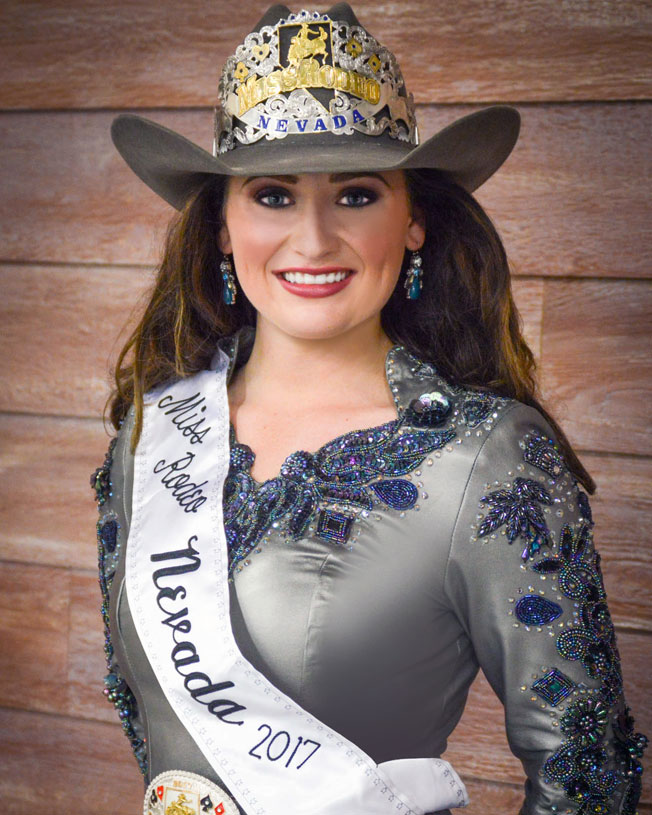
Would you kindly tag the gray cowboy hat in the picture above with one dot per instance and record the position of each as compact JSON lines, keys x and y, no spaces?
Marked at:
{"x":313,"y":92}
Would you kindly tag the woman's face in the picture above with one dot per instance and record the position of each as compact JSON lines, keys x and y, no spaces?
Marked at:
{"x":316,"y":254}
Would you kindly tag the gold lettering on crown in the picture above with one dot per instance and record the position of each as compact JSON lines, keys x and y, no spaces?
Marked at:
{"x":306,"y":73}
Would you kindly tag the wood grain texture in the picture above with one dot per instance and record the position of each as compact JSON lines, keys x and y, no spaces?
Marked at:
{"x":74,"y":765}
{"x":528,"y":296}
{"x":51,"y":638}
{"x":34,"y":636}
{"x":47,"y":512}
{"x":88,"y":53}
{"x":596,"y":363}
{"x":571,"y":199}
{"x":568,"y":201}
{"x":68,"y":325}
{"x":622,"y":511}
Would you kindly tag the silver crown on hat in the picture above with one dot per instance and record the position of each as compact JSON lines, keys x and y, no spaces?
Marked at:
{"x":265,"y":88}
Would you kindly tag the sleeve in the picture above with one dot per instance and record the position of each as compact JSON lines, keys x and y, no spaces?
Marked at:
{"x":111,"y":484}
{"x":525,"y":580}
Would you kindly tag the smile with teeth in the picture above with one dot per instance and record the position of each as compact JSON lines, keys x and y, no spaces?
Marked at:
{"x":314,"y":279}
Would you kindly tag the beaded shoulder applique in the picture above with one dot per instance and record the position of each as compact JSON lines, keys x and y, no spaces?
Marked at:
{"x":518,"y":509}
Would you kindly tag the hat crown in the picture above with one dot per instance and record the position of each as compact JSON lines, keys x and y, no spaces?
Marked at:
{"x":307,"y":73}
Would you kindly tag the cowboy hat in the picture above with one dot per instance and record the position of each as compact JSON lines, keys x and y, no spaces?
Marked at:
{"x":313,"y":92}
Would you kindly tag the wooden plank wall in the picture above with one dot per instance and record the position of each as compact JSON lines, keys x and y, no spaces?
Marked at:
{"x":78,"y":238}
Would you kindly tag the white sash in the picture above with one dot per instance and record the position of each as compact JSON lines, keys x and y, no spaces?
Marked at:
{"x":274,"y":757}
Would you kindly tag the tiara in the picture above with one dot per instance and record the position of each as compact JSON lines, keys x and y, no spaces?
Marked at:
{"x":309,"y":74}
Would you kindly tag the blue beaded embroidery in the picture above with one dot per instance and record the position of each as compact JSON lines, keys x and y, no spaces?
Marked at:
{"x":333,"y":526}
{"x":554,"y":687}
{"x":578,"y":761}
{"x":429,"y":410}
{"x":396,"y":493}
{"x":477,"y":408}
{"x":518,"y":509}
{"x":629,"y":747}
{"x":350,"y":471}
{"x":585,"y":507}
{"x":116,"y":689}
{"x":585,"y":722}
{"x":535,"y":610}
{"x":101,"y":478}
{"x":543,"y":454}
{"x":578,"y":770}
{"x":108,"y":535}
{"x":592,"y":639}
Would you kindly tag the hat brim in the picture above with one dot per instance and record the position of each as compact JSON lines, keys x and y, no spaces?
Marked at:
{"x":469,"y":150}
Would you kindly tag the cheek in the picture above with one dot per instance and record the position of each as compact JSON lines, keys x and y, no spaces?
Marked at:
{"x":253,"y":242}
{"x":382,"y":242}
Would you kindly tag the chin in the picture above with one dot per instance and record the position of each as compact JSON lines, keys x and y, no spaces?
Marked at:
{"x":314,"y":328}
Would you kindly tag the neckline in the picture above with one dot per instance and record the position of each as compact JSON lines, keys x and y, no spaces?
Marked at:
{"x":247,"y":455}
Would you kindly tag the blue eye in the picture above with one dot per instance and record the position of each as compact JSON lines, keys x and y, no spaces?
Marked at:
{"x":358,"y":197}
{"x":273,"y":197}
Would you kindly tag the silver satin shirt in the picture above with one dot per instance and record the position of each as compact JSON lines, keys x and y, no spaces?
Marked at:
{"x":381,"y":635}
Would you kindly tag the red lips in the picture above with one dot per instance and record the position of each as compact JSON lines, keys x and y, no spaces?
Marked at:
{"x":314,"y":289}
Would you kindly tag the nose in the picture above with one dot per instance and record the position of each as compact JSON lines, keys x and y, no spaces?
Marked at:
{"x":315,"y":232}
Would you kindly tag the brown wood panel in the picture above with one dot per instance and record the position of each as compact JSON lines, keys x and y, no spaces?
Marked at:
{"x":34,"y":636}
{"x":66,"y":765}
{"x":622,"y":511}
{"x":528,"y":296}
{"x":67,"y":330}
{"x":569,"y":201}
{"x":88,"y":53}
{"x":478,"y":747}
{"x":47,"y":512}
{"x":596,"y":362}
{"x":51,"y":640}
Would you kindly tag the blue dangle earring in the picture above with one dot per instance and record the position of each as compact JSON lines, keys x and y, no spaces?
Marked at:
{"x":414,"y":277}
{"x":228,"y":285}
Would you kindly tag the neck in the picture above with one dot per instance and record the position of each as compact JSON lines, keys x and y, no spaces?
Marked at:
{"x":330,"y":371}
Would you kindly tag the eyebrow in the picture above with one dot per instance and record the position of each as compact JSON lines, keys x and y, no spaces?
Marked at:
{"x":333,"y":178}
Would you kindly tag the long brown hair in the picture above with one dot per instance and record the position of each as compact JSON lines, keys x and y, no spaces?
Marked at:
{"x":465,"y":321}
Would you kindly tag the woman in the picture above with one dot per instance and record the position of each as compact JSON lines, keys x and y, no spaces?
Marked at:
{"x":292,"y":631}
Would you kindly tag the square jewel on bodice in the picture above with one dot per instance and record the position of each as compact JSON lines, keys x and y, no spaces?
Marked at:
{"x":333,"y":526}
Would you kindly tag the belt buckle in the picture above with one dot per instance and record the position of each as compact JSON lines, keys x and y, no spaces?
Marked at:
{"x":177,"y":792}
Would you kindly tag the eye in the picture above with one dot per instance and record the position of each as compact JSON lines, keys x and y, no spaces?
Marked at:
{"x":273,"y":197}
{"x":358,"y":197}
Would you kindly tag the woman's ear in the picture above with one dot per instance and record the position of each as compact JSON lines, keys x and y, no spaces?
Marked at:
{"x":224,"y":241}
{"x":416,"y":231}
